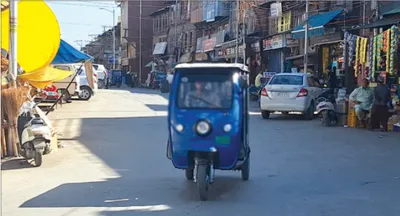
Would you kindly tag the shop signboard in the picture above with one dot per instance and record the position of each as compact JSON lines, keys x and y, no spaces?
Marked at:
{"x":159,"y":49}
{"x":290,"y":42}
{"x":209,"y":44}
{"x":199,"y":44}
{"x":275,"y":42}
{"x":276,"y":9}
{"x":268,"y":75}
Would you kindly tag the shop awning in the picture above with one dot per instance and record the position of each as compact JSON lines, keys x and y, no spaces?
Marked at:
{"x":395,"y":10}
{"x":159,"y":49}
{"x":316,"y":24}
{"x":67,"y":54}
{"x":150,"y":64}
{"x":386,"y":22}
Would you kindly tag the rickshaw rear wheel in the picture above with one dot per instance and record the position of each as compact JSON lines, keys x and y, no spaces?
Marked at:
{"x":202,"y":181}
{"x":189,"y":174}
{"x":245,"y":169}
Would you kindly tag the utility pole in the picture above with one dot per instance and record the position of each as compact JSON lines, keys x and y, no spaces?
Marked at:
{"x":244,"y":31}
{"x":176,"y":25}
{"x":13,"y":41}
{"x":80,"y":43}
{"x":140,"y":42}
{"x":113,"y":32}
{"x":306,"y":39}
{"x":237,"y":30}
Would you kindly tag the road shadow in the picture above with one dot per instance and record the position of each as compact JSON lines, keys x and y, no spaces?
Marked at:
{"x":147,"y":177}
{"x":16,"y":163}
{"x":157,"y":107}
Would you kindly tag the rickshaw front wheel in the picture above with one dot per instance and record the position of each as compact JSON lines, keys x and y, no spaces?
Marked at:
{"x":202,"y":181}
{"x":245,"y":169}
{"x":189,"y":174}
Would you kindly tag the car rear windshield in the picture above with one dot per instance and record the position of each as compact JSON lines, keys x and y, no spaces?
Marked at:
{"x":205,"y":91}
{"x":286,"y":80}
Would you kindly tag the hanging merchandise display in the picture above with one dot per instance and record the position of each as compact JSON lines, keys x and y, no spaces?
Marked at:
{"x":370,"y":55}
{"x":379,"y":47}
{"x":393,"y":48}
{"x":345,"y":47}
{"x":352,"y":47}
{"x":357,"y":59}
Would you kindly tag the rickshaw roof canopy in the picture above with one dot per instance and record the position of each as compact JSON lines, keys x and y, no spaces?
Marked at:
{"x":213,"y":65}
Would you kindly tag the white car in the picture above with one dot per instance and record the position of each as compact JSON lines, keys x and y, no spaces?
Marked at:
{"x":86,"y":92}
{"x":101,"y":75}
{"x":290,"y":92}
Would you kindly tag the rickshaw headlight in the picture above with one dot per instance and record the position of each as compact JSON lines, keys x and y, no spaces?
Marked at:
{"x":179,"y":127}
{"x":227,"y":127}
{"x":203,"y":128}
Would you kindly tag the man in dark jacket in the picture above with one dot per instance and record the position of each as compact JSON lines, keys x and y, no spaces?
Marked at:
{"x":380,"y":110}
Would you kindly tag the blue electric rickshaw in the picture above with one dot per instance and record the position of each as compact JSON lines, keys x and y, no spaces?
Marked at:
{"x":208,"y":120}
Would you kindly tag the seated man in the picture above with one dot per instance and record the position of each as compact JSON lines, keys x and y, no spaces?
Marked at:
{"x":362,"y":98}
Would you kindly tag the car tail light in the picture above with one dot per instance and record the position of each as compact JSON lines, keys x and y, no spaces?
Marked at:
{"x":264,"y":92}
{"x":303,"y":92}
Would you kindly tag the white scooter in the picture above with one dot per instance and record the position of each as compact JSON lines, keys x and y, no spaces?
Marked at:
{"x":34,"y":135}
{"x":326,"y":111}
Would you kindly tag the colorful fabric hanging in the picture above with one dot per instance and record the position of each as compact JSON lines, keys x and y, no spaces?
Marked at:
{"x":370,"y":55}
{"x":345,"y":47}
{"x":387,"y":50}
{"x":374,"y":54}
{"x":393,"y":47}
{"x":352,"y":47}
{"x":357,"y":58}
{"x":363,"y":50}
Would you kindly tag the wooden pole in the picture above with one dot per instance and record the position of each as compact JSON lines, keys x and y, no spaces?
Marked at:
{"x":3,"y":143}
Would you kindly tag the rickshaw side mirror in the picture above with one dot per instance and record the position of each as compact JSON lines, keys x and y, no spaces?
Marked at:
{"x":243,"y":82}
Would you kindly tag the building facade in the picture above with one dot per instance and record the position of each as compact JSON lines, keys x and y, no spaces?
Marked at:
{"x":136,"y":42}
{"x":101,"y":48}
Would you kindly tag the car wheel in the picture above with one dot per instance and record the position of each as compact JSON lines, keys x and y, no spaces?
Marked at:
{"x":101,"y":84}
{"x":86,"y":93}
{"x":265,"y":114}
{"x":309,"y":113}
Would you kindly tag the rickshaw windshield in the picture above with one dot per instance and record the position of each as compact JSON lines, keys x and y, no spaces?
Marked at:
{"x":200,"y":91}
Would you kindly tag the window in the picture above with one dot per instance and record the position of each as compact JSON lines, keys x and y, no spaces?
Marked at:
{"x":284,"y":22}
{"x":286,"y":80}
{"x":199,"y":91}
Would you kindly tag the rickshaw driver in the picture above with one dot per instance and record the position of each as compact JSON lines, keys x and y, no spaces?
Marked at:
{"x":200,"y":97}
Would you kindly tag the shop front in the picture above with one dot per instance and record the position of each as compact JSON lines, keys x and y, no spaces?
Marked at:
{"x":228,"y":51}
{"x":373,"y":57}
{"x":273,"y":53}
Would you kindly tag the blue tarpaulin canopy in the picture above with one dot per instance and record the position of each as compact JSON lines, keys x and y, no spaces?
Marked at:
{"x":67,"y":54}
{"x":316,"y":24}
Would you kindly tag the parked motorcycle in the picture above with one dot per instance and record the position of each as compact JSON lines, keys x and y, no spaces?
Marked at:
{"x":34,"y":135}
{"x":326,"y":110}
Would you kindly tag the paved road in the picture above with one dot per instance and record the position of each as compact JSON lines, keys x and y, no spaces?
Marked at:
{"x":114,"y":163}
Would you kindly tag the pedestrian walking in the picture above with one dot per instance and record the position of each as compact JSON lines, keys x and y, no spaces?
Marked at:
{"x":380,"y":110}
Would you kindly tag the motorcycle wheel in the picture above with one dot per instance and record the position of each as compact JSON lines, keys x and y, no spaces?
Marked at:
{"x":202,"y":181}
{"x":38,"y":158}
{"x":325,"y":118}
{"x":189,"y":174}
{"x":245,"y":169}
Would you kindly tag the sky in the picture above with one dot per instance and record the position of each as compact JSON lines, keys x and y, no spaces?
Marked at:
{"x":79,"y":19}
